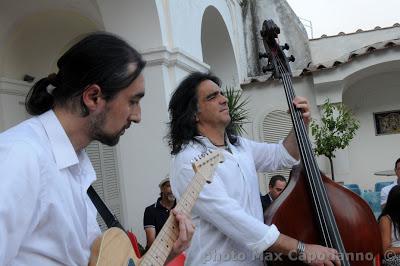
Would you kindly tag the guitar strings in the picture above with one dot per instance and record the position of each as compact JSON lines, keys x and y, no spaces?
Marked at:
{"x":321,"y":192}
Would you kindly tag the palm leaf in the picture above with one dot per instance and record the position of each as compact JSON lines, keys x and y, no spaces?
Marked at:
{"x":237,"y":109}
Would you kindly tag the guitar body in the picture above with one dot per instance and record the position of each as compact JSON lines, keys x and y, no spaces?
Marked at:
{"x":113,"y":248}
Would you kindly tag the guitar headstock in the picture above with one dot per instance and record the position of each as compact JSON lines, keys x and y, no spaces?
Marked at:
{"x":206,"y":163}
{"x":277,"y":61}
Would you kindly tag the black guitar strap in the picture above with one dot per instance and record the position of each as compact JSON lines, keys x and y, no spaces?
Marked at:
{"x":105,"y":213}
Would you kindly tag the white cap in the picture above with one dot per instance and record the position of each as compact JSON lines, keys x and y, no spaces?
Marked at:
{"x":163,"y":181}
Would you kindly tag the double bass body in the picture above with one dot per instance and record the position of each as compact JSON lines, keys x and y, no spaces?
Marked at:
{"x":293,"y":214}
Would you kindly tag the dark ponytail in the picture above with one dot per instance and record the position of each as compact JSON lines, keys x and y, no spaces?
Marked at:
{"x":39,"y":99}
{"x":99,"y":58}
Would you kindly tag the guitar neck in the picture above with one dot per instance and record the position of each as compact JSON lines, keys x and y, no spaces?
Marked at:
{"x":162,"y":245}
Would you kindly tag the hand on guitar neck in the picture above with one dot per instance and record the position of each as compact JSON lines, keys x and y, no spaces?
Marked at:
{"x":186,"y":231}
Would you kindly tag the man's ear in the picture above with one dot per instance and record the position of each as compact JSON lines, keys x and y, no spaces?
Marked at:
{"x":92,"y":96}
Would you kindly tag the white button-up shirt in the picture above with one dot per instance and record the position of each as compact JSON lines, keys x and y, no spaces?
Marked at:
{"x":385,"y":192}
{"x":228,"y":213}
{"x":46,"y":217}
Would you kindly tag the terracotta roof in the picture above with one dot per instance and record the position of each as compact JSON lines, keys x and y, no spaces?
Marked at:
{"x":350,"y":56}
{"x":357,"y":31}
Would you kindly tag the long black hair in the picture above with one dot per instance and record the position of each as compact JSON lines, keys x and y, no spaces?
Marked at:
{"x":392,"y":209}
{"x":99,"y":58}
{"x":183,"y":108}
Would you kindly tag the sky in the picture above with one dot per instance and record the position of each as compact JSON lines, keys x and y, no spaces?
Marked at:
{"x":333,"y":16}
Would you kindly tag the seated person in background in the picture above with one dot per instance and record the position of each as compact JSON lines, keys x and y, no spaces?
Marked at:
{"x":157,"y":214}
{"x":389,"y":224}
{"x":276,"y":185}
{"x":385,"y":190}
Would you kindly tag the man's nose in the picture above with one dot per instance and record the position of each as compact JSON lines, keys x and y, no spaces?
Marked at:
{"x":136,"y":116}
{"x":224,"y":100}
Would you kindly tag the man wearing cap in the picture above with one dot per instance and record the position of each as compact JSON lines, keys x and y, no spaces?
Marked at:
{"x":157,"y":214}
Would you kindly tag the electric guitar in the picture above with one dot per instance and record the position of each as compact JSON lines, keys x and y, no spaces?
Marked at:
{"x":114,"y":247}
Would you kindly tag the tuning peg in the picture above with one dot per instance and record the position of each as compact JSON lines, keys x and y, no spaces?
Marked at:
{"x":285,"y":46}
{"x":262,"y":55}
{"x":291,"y":58}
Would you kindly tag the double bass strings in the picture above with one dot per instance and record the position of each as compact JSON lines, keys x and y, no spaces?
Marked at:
{"x":318,"y":190}
{"x":296,"y":116}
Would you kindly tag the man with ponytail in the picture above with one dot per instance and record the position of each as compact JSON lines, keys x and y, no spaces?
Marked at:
{"x":46,"y":216}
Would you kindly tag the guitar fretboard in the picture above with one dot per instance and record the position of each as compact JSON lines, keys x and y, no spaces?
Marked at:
{"x":162,"y":246}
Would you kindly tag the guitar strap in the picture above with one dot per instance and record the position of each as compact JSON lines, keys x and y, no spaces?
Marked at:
{"x":105,"y":213}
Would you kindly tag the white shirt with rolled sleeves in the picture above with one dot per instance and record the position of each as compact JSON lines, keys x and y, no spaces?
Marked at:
{"x":46,"y":217}
{"x":228,"y":213}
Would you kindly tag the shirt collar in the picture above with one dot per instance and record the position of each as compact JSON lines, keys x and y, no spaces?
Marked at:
{"x":61,"y":146}
{"x":209,"y":144}
{"x":270,"y":197}
{"x":161,"y":207}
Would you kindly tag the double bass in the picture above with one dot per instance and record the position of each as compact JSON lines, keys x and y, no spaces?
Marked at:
{"x":313,"y":208}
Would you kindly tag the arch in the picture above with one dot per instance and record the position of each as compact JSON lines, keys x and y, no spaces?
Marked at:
{"x":373,"y":90}
{"x":35,"y":42}
{"x":335,"y":82}
{"x":139,"y":22}
{"x":217,"y":47}
{"x":370,"y":70}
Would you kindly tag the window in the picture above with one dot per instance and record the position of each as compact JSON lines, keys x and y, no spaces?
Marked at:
{"x":275,"y":127}
{"x":107,"y":184}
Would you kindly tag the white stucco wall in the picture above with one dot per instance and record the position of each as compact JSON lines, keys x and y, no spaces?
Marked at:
{"x":330,"y":48}
{"x":12,"y":102}
{"x":369,"y":153}
{"x":186,"y":27}
{"x":266,"y":97}
{"x":217,"y":48}
{"x":28,"y":50}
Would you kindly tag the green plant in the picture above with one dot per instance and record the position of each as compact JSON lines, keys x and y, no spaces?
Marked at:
{"x":335,"y":131}
{"x":237,"y":110}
